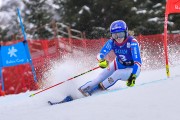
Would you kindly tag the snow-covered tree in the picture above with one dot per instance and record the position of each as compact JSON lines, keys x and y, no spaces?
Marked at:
{"x":38,"y":18}
{"x":9,"y":25}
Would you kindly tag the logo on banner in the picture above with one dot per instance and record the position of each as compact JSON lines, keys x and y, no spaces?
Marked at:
{"x":12,"y":52}
{"x":177,"y":7}
{"x":173,"y":6}
{"x":14,"y":55}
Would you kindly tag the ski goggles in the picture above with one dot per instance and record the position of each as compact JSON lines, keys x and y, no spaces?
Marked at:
{"x":118,"y":35}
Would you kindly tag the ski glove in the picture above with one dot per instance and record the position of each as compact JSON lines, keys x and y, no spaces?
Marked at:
{"x":131,"y":80}
{"x":103,"y":63}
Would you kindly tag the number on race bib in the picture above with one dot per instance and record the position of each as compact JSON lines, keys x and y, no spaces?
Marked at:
{"x":123,"y":57}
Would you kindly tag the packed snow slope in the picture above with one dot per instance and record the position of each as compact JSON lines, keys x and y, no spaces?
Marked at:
{"x":154,"y":97}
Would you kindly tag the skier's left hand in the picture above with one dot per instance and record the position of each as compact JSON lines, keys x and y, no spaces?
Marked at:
{"x":131,"y":80}
{"x":103,"y":64}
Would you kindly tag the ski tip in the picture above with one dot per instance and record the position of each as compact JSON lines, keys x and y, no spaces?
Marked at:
{"x":66,"y":99}
{"x":49,"y":102}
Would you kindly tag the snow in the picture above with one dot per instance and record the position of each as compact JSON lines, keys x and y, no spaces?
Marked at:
{"x":86,"y":8}
{"x":175,"y":31}
{"x":141,"y":12}
{"x":0,"y":3}
{"x":155,"y":19}
{"x":154,"y":97}
{"x":133,"y":9}
{"x":157,"y":5}
{"x":8,"y":10}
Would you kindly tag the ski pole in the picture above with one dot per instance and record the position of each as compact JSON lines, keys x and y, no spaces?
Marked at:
{"x":64,"y":81}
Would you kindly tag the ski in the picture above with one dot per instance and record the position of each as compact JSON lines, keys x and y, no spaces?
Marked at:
{"x":53,"y":103}
{"x":66,"y":99}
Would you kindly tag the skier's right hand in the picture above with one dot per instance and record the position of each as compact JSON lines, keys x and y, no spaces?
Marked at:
{"x":103,"y":63}
{"x":131,"y":81}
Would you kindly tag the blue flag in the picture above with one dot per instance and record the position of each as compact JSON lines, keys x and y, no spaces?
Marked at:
{"x":13,"y":55}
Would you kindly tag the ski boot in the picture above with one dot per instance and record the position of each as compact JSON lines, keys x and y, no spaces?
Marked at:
{"x":86,"y":90}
